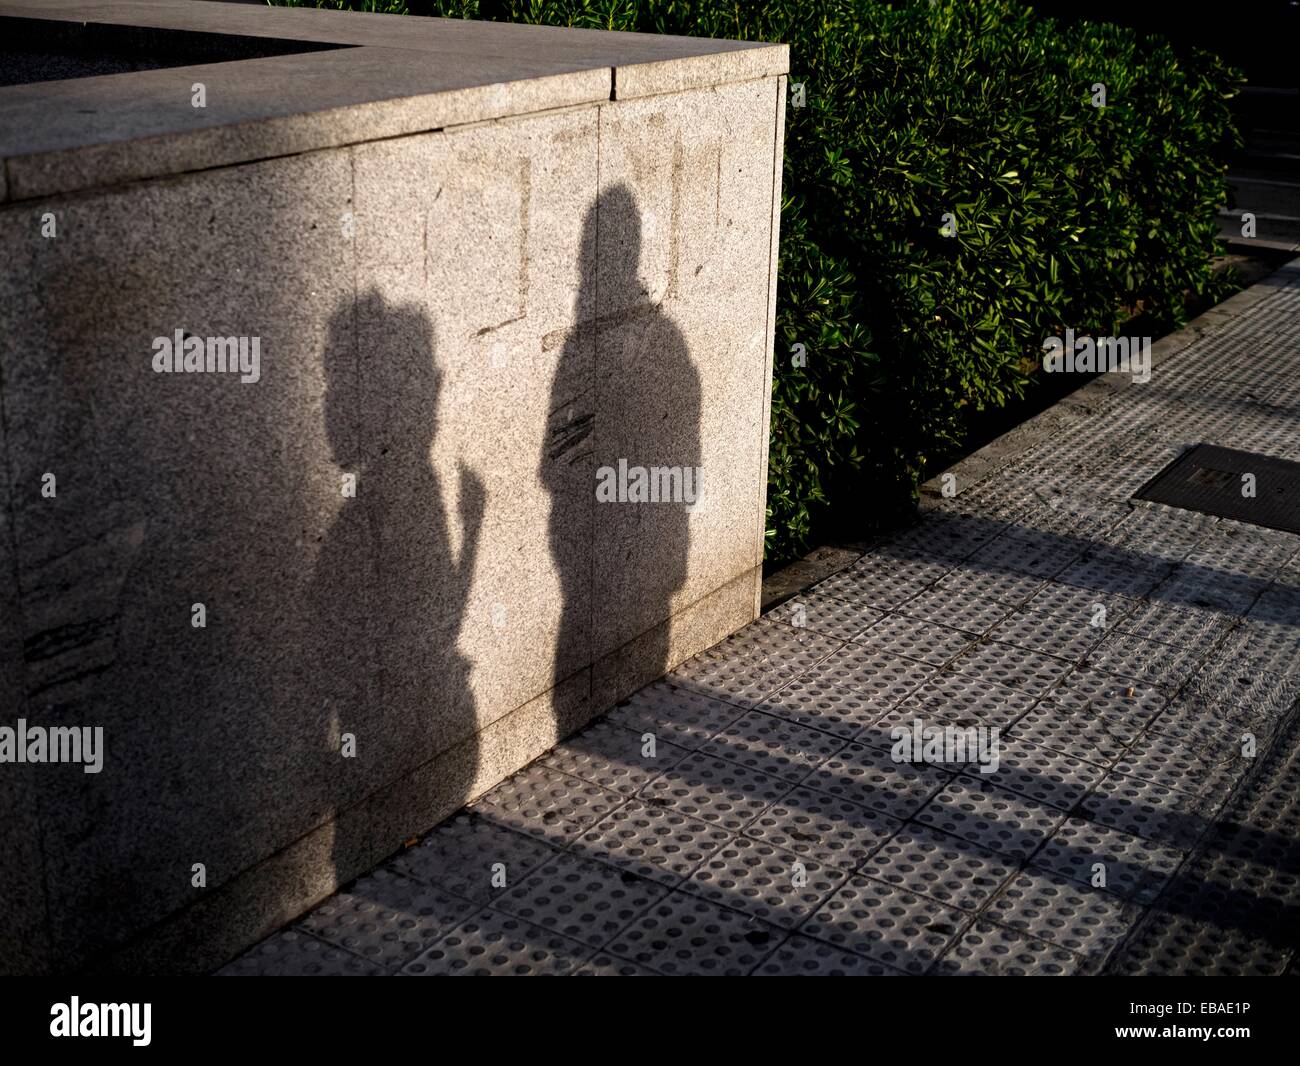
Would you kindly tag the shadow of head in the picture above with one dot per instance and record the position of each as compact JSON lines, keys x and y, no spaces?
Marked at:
{"x":617,"y":219}
{"x":381,"y":383}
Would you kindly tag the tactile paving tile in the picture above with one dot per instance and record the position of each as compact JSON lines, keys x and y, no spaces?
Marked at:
{"x":1135,"y":869}
{"x":1045,"y":905}
{"x":580,"y":899}
{"x":878,"y":675}
{"x":1148,"y":555}
{"x":386,"y":918}
{"x":1106,"y":479}
{"x":1232,"y":549}
{"x":801,"y":957}
{"x":974,"y":615}
{"x":1175,"y":945}
{"x":651,"y":840}
{"x":1002,"y":586}
{"x":1103,"y":693}
{"x":986,"y":501}
{"x":743,"y":680}
{"x":1013,"y":667}
{"x":717,"y":790}
{"x":895,"y":562}
{"x":1171,"y":529}
{"x":1126,"y":655}
{"x":1129,"y":458}
{"x":1272,"y":546}
{"x":773,"y":745}
{"x":1034,"y":556}
{"x":925,"y":862}
{"x":1145,"y":809}
{"x":612,"y":757}
{"x":1258,"y":861}
{"x":602,"y":964}
{"x":869,"y":587}
{"x":1042,"y":774}
{"x":1078,"y":518}
{"x":1134,"y":468}
{"x":1225,"y":700}
{"x":991,"y":950}
{"x":1279,"y":604}
{"x":1208,"y":589}
{"x":1271,"y":646}
{"x":674,"y":714}
{"x":757,"y":878}
{"x":849,"y":690}
{"x":1211,"y":768}
{"x":546,"y":803}
{"x":1289,"y":575}
{"x":460,"y":854}
{"x":1177,"y":624}
{"x":870,"y":777}
{"x":1071,"y":601}
{"x":1215,"y":418}
{"x":1063,"y":635}
{"x":881,"y":922}
{"x":823,"y":614}
{"x":991,"y":817}
{"x":783,"y":645}
{"x":1149,"y":551}
{"x":1039,"y":481}
{"x":823,"y":827}
{"x":1102,"y":578}
{"x":1204,"y":724}
{"x":945,"y":536}
{"x":1266,"y":815}
{"x":1234,"y":555}
{"x":1285,"y":395}
{"x":1028,"y":536}
{"x":915,"y":639}
{"x":686,"y":935}
{"x":1089,"y":521}
{"x":492,"y":943}
{"x":885,"y":732}
{"x":963,"y":700}
{"x":1075,"y":730}
{"x":290,"y":953}
{"x":753,"y":663}
{"x":829,"y":705}
{"x":933,"y":741}
{"x":1244,"y":877}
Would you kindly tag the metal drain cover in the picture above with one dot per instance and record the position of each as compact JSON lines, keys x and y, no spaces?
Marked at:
{"x":1215,"y":481}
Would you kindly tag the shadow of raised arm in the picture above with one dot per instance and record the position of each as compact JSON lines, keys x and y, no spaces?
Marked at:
{"x":473,"y":502}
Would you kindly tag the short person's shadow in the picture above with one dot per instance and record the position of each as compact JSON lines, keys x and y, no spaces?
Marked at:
{"x":625,"y":389}
{"x":391,"y":685}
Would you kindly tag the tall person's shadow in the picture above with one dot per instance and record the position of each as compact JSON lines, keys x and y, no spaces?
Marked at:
{"x":625,"y":389}
{"x":389,"y":593}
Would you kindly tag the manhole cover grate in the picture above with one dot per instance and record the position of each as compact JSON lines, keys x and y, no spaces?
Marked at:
{"x":1228,"y":483}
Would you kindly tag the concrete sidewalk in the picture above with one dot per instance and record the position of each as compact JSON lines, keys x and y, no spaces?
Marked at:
{"x":744,"y":815}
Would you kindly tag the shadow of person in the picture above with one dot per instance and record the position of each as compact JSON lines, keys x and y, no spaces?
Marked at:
{"x":625,"y":397}
{"x":393,"y":690}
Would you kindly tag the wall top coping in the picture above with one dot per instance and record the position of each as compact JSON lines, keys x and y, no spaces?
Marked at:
{"x":369,"y":77}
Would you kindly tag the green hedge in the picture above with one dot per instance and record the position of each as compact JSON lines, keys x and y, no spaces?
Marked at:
{"x":1066,"y":215}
